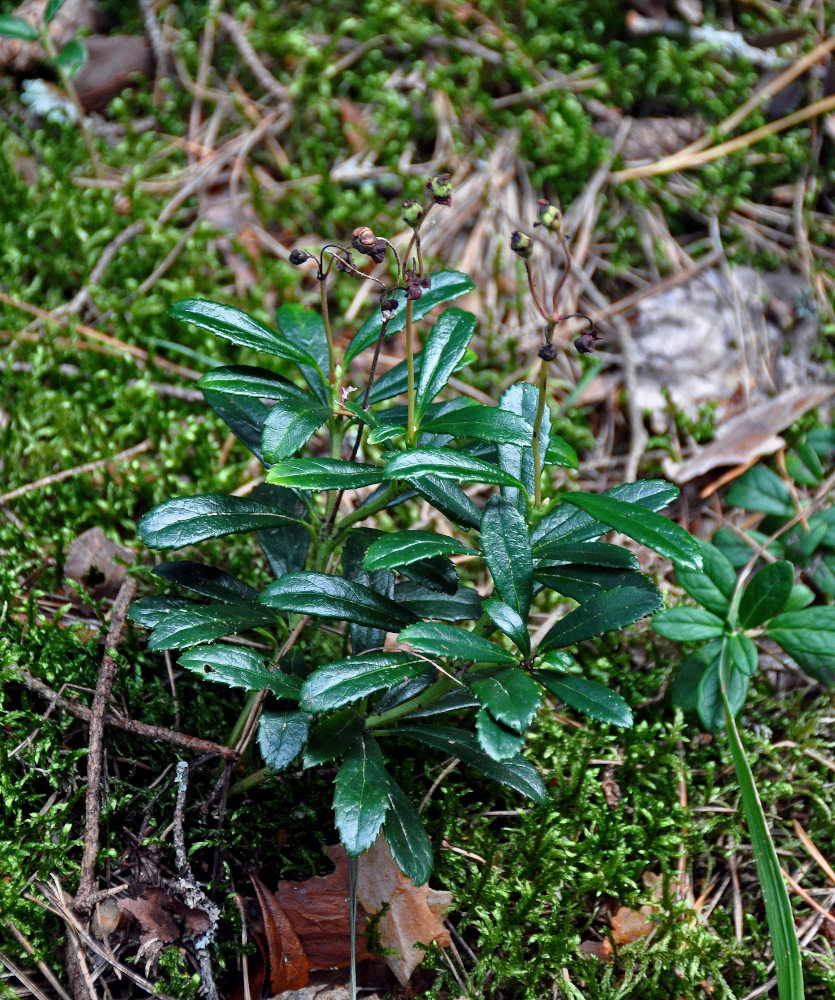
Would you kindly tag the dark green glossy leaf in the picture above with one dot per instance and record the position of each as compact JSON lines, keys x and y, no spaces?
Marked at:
{"x":209,"y":581}
{"x":15,"y":27}
{"x":313,"y":473}
{"x":709,"y":703}
{"x":52,"y":9}
{"x":150,"y":611}
{"x":761,"y":489}
{"x":204,"y":622}
{"x":684,"y":691}
{"x":239,"y":666}
{"x":249,"y":380}
{"x":581,"y":583}
{"x":343,"y":681}
{"x":656,"y":532}
{"x":332,"y":597}
{"x":288,"y":427}
{"x":516,"y":773}
{"x":487,"y":423}
{"x":569,"y":525}
{"x":463,"y":605}
{"x":439,"y":639}
{"x":496,"y":740}
{"x":510,"y":696}
{"x":446,"y":285}
{"x":713,"y":585}
{"x":766,"y":594}
{"x":408,"y":841}
{"x":281,"y":737}
{"x":436,"y":573}
{"x":243,"y":416}
{"x":444,"y":463}
{"x":381,"y":581}
{"x":507,"y":552}
{"x":333,"y":737}
{"x":588,"y":697}
{"x":400,"y":548}
{"x":613,"y":609}
{"x":361,"y":796}
{"x":800,"y":545}
{"x":454,"y":701}
{"x":305,"y":329}
{"x":395,"y":381}
{"x":804,"y":465}
{"x":187,"y":520}
{"x":450,"y":500}
{"x":403,"y":692}
{"x":688,"y":624}
{"x":72,"y":57}
{"x":809,"y":637}
{"x":238,"y":328}
{"x":285,"y":546}
{"x":444,"y":348}
{"x":800,"y":597}
{"x":522,"y":399}
{"x":509,"y":621}
{"x":561,"y":453}
{"x":588,"y":554}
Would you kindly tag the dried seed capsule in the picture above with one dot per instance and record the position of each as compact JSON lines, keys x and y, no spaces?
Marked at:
{"x":412,"y":213}
{"x":364,"y":241}
{"x":299,"y":256}
{"x":586,"y":341}
{"x":549,"y":216}
{"x":440,"y":187}
{"x":547,"y":352}
{"x":521,"y":244}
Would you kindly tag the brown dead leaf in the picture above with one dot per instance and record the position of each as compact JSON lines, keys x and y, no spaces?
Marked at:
{"x":91,"y":560}
{"x":285,"y":959}
{"x":318,"y":911}
{"x":414,"y":915}
{"x":163,"y":920}
{"x":630,"y":925}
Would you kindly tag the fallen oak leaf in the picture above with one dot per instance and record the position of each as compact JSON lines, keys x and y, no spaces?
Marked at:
{"x":286,"y":961}
{"x":317,"y":908}
{"x":410,"y":915}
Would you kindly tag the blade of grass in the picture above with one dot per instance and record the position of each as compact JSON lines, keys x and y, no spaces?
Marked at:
{"x":778,"y":909}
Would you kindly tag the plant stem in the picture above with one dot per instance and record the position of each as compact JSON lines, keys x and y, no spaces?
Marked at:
{"x":362,"y":512}
{"x":410,"y":366}
{"x":428,"y":697}
{"x":567,"y":268}
{"x":72,"y":93}
{"x":537,"y":426}
{"x":534,"y":294}
{"x":326,"y":321}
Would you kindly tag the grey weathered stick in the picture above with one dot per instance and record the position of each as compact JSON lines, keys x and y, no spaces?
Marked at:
{"x":95,"y":754}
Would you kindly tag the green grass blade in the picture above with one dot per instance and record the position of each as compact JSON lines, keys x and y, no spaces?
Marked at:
{"x":778,"y":909}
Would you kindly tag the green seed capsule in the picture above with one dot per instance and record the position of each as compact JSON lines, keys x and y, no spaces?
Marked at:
{"x":521,"y":244}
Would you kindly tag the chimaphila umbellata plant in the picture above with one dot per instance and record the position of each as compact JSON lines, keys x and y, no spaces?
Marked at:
{"x":410,"y":654}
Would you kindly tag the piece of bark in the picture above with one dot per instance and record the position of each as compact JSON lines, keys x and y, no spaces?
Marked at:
{"x":113,"y":63}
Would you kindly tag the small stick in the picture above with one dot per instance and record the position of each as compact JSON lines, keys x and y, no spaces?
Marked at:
{"x":59,"y":477}
{"x":95,"y":754}
{"x":250,"y":57}
{"x":97,"y":335}
{"x":181,"y":740}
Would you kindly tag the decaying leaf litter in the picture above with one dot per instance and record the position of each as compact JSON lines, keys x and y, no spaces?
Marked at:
{"x":491,"y":198}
